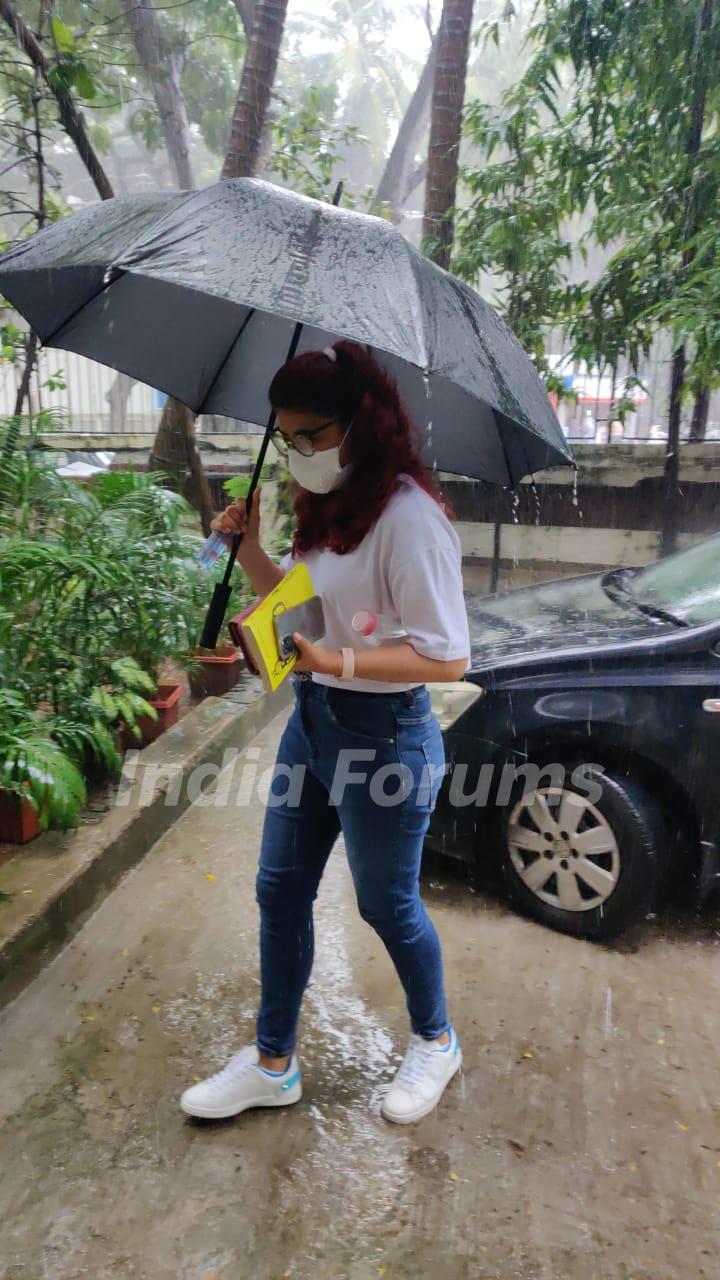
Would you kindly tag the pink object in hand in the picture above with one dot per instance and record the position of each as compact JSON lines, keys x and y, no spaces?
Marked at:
{"x":376,"y":627}
{"x":364,"y":622}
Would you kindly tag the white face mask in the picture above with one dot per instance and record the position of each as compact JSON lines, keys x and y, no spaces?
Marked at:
{"x":321,"y":472}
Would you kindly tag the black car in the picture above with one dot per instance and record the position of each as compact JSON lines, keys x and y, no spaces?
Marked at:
{"x":584,"y":745}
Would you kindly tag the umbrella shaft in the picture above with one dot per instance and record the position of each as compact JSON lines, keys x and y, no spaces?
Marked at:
{"x":216,"y":613}
{"x":249,"y":499}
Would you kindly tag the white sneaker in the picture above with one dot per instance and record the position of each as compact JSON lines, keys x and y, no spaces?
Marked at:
{"x":240,"y":1085}
{"x":419,"y":1084}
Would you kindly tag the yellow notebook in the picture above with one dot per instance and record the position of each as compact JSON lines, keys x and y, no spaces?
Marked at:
{"x":258,"y":630}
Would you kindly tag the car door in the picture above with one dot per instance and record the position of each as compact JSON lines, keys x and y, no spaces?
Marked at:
{"x":705,"y":757}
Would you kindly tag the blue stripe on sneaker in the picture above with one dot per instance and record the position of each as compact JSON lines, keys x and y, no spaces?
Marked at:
{"x":288,"y":1084}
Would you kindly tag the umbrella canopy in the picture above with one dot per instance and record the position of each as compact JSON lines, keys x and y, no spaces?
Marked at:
{"x":198,"y":294}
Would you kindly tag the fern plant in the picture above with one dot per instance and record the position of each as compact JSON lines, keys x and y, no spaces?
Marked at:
{"x":34,"y":766}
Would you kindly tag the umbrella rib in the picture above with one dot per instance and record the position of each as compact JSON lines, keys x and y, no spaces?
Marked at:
{"x":508,"y":468}
{"x":85,"y":303}
{"x":236,"y":338}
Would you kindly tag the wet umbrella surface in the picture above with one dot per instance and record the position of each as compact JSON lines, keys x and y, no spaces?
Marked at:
{"x":198,"y":294}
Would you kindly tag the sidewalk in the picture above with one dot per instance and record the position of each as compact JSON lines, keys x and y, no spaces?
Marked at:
{"x":52,"y":884}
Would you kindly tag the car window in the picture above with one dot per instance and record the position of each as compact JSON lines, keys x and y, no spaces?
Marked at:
{"x":686,"y":584}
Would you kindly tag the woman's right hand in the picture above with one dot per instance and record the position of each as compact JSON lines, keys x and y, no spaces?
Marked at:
{"x":233,"y":519}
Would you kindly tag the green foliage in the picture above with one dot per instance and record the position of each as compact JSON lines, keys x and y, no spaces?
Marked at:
{"x":206,"y":41}
{"x":353,"y":62}
{"x":34,"y":766}
{"x":98,"y":588}
{"x":285,"y":513}
{"x":589,"y":160}
{"x":239,"y":486}
{"x":309,"y":147}
{"x":63,"y":36}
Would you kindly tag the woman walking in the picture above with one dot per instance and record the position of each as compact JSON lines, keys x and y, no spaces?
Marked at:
{"x":374,"y":535}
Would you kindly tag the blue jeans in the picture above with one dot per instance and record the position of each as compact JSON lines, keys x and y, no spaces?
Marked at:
{"x":369,"y":764}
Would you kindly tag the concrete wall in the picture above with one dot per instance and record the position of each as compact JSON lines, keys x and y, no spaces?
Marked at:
{"x":612,"y":516}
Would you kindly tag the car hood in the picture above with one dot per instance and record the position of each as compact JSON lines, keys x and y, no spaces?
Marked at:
{"x":570,"y":613}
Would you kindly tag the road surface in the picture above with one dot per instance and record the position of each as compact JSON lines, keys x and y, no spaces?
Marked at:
{"x":581,"y":1142}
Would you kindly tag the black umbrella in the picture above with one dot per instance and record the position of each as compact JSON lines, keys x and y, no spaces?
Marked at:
{"x":201,"y":294}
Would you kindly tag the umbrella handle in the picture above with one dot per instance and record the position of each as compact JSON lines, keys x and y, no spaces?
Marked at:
{"x":215,"y":615}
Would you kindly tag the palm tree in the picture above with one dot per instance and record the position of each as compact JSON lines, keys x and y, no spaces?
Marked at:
{"x":453,"y":47}
{"x":350,"y":54}
{"x":258,"y":77}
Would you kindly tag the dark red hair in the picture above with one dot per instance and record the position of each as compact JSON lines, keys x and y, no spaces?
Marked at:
{"x":382,"y":443}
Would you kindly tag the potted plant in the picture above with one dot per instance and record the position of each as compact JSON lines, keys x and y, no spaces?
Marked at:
{"x":100,"y":596}
{"x":131,"y":701}
{"x":18,"y":818}
{"x":155,"y":611}
{"x":40,"y":784}
{"x":213,"y":672}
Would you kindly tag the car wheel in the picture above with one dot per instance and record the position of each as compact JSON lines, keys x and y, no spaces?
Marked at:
{"x":581,"y":859}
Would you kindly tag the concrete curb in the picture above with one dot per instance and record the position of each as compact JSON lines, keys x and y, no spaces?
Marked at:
{"x":70,"y":873}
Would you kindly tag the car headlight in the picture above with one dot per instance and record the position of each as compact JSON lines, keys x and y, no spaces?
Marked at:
{"x":451,"y":699}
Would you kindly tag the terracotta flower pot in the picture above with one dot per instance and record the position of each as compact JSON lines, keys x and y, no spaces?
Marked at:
{"x":218,"y":673}
{"x":18,"y":820}
{"x":166,"y":703}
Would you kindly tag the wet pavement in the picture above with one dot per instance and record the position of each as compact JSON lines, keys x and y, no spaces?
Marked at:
{"x":581,"y":1142}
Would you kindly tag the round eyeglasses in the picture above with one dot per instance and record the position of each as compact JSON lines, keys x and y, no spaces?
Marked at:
{"x":302,"y":441}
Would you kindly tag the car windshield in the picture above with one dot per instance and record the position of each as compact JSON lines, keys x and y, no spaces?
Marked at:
{"x":686,"y":585}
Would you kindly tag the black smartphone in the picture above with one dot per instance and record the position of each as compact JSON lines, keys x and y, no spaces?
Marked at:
{"x":307,"y":618}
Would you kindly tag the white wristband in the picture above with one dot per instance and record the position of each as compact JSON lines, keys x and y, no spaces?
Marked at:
{"x":348,"y":664}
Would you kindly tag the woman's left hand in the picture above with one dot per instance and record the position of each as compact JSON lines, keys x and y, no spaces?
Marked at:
{"x":315,"y":657}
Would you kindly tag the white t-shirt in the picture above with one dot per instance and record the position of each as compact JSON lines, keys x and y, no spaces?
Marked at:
{"x":408,"y":568}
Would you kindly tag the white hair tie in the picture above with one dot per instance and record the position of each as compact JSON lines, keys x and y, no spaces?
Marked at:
{"x":330,"y":353}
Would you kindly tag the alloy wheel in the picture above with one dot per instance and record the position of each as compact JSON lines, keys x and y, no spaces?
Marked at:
{"x":563,"y":849}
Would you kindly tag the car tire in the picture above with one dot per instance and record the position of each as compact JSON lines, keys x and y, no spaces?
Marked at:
{"x":616,"y":853}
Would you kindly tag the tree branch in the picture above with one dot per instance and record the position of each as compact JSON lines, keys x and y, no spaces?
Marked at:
{"x":70,"y":117}
{"x":396,"y":182}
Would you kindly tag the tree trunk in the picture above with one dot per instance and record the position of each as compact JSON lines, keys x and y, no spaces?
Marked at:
{"x":23,"y":388}
{"x":70,"y":117}
{"x":161,"y":65}
{"x":175,"y":448}
{"x":701,"y":410}
{"x":117,"y":398}
{"x":453,"y":44}
{"x":671,"y":505}
{"x":175,"y":453}
{"x":258,"y":77}
{"x":397,"y":182}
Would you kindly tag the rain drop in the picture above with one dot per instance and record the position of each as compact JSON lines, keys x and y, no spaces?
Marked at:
{"x":575,"y":491}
